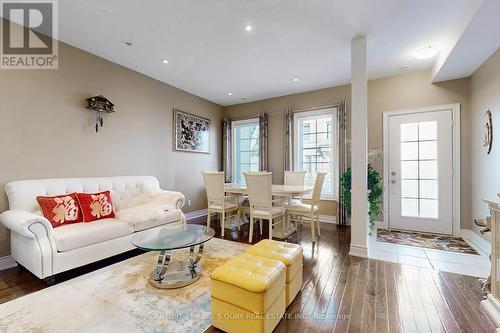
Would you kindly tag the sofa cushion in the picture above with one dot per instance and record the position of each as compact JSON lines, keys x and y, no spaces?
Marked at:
{"x":77,"y":235}
{"x":96,"y":206}
{"x":61,"y":209}
{"x":149,"y":216}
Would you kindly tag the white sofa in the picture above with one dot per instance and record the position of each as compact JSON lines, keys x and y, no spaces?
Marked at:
{"x":139,"y":203}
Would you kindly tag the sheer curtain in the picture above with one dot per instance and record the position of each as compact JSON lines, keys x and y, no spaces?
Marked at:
{"x":342,"y":158}
{"x":288,"y":148}
{"x":226,"y":150}
{"x":263,"y":136}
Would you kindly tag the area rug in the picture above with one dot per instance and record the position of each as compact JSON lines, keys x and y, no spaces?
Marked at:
{"x":430,"y":241}
{"x":119,"y":298}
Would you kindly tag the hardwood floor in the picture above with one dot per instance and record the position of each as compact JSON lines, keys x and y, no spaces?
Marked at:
{"x":340,"y":293}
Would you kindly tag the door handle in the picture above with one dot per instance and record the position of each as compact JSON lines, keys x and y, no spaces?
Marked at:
{"x":393,"y":181}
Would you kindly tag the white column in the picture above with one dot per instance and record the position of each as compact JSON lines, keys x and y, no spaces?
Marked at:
{"x":359,"y":148}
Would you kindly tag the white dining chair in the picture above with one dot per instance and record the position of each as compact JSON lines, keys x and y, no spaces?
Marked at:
{"x":259,"y":186}
{"x":297,"y":212}
{"x":218,"y":202}
{"x":295,"y":178}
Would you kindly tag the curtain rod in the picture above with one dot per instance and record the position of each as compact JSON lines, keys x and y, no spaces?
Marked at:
{"x":317,"y":108}
{"x":245,"y":117}
{"x":294,"y":111}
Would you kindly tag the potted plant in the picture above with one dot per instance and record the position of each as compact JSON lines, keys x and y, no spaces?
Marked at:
{"x":375,"y":192}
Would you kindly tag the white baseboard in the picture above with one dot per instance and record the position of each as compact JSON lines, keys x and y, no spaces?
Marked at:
{"x":196,"y":214}
{"x":479,"y":242}
{"x":358,"y":251}
{"x":492,"y":308}
{"x":328,"y":219}
{"x":203,"y":212}
{"x":7,"y":262}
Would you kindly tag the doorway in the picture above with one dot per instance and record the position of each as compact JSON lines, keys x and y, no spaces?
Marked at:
{"x":420,"y":164}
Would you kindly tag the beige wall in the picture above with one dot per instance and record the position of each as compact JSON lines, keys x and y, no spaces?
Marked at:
{"x":45,"y":130}
{"x":406,"y":91}
{"x":485,"y":169}
{"x":276,"y":108}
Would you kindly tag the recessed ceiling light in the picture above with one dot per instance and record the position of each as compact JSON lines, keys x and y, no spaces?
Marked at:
{"x":426,"y":52}
{"x":165,"y":61}
{"x":295,"y":80}
{"x":230,"y":93}
{"x":248,"y":27}
{"x":404,"y":67}
{"x":243,"y":98}
{"x":128,"y":43}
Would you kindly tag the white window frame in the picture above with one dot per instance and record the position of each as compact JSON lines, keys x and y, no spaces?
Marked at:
{"x":234,"y":124}
{"x":334,"y":144}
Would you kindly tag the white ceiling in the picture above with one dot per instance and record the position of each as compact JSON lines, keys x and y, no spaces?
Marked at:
{"x":211,"y":54}
{"x":474,"y":46}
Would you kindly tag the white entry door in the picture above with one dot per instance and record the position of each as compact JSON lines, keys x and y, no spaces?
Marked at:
{"x":420,"y":180}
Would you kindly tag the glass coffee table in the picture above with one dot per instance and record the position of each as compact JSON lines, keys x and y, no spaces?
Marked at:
{"x":170,"y":274}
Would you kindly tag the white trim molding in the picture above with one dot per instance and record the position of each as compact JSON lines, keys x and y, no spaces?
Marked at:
{"x":358,"y":251}
{"x":328,"y":219}
{"x":7,"y":262}
{"x":492,"y":308}
{"x":477,"y":241}
{"x":456,"y":158}
{"x":196,"y":214}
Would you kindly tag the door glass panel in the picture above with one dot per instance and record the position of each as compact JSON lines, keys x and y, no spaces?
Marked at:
{"x":409,"y":132}
{"x":409,"y":151}
{"x":409,"y":207}
{"x":428,"y":189}
{"x":419,"y":170}
{"x":409,"y":169}
{"x":427,"y":150}
{"x":409,"y":188}
{"x":428,"y":208}
{"x":428,"y":170}
{"x":427,"y":130}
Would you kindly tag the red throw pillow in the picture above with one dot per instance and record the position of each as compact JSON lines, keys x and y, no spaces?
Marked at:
{"x":96,"y":206}
{"x":60,"y":209}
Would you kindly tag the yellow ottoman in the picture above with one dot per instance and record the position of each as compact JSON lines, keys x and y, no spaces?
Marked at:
{"x":288,"y":254}
{"x":248,"y":294}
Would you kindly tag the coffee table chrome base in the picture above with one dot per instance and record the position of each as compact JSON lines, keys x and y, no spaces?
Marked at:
{"x":177,"y":274}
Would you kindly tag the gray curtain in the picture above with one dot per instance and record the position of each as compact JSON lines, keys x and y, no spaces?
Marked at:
{"x":342,"y":158}
{"x":263,"y":136}
{"x":288,"y":159}
{"x":226,"y":149}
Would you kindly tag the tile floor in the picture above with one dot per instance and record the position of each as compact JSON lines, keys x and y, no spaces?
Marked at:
{"x":461,"y":263}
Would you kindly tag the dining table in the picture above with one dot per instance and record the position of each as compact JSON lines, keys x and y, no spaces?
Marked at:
{"x":278,"y":190}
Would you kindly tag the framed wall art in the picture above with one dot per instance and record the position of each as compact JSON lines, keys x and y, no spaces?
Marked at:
{"x":191,"y":133}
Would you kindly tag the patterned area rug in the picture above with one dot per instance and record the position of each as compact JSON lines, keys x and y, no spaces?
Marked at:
{"x":119,"y":298}
{"x":430,"y":241}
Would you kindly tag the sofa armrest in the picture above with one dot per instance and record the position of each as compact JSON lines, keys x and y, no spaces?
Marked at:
{"x":173,"y":198}
{"x":20,"y":222}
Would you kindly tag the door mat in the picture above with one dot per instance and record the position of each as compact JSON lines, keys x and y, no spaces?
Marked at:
{"x":430,"y":241}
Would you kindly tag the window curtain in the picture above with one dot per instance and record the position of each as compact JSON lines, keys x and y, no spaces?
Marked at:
{"x":226,"y":149}
{"x":263,"y":136}
{"x":342,"y":158}
{"x":288,"y":159}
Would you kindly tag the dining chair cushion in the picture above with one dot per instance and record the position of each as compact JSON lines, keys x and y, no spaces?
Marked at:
{"x":230,"y":205}
{"x":302,"y":208}
{"x":264,"y":213}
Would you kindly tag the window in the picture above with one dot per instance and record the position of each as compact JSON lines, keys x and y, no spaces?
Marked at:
{"x":419,"y":170}
{"x":315,"y":148}
{"x":245,"y":134}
